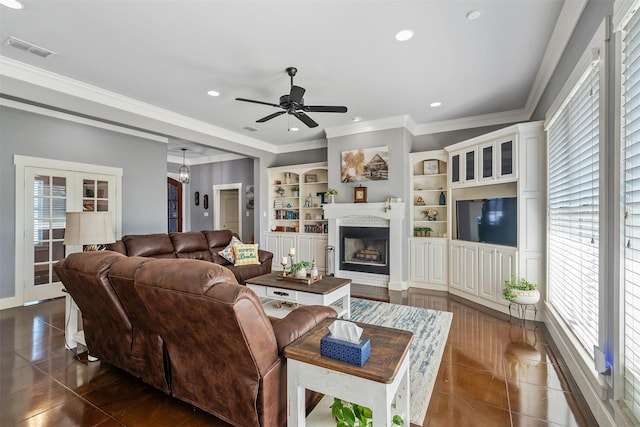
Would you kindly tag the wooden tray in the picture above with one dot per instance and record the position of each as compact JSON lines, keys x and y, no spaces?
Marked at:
{"x":307,"y":281}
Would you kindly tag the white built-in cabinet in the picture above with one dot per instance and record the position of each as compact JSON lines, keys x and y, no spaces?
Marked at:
{"x":428,"y":265}
{"x":504,"y":163}
{"x":296,"y":216}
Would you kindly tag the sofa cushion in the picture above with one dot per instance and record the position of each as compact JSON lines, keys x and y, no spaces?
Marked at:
{"x":149,"y":245}
{"x":246,"y":254}
{"x":229,"y":253}
{"x":191,"y":245}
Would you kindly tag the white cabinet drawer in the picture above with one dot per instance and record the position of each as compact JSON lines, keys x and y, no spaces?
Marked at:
{"x":282,"y":294}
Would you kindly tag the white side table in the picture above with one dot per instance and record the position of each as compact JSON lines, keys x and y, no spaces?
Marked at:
{"x":382,"y":384}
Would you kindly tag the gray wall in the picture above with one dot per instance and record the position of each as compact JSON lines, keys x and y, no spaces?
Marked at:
{"x":143,"y":162}
{"x":204,"y":177}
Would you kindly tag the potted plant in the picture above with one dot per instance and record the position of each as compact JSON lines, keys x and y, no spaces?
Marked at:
{"x":422,"y":231}
{"x":294,"y":190}
{"x":520,"y":291}
{"x":352,"y":414}
{"x":299,"y":269}
{"x":331,"y":193}
{"x":430,"y":214}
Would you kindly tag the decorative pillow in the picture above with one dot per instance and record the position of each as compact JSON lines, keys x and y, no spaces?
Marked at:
{"x":229,"y":252}
{"x":246,"y":254}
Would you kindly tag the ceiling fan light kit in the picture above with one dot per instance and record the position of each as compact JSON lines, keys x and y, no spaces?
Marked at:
{"x":293,"y":104}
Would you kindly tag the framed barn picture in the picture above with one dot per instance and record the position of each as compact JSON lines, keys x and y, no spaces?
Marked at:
{"x":365,"y":164}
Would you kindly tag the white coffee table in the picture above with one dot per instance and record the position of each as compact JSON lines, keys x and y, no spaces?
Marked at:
{"x":330,"y":291}
{"x":382,"y":384}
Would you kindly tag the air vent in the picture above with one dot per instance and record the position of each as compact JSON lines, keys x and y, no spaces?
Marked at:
{"x":29,"y":47}
{"x":250,"y":128}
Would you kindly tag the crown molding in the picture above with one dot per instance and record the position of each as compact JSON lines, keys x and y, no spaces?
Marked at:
{"x":37,"y":76}
{"x":371,"y":126}
{"x":505,"y":117}
{"x":225,"y":157}
{"x":77,"y":119}
{"x":567,"y":20}
{"x":302,"y":146}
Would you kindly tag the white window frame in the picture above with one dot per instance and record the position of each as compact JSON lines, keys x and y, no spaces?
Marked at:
{"x":578,"y":359}
{"x":623,"y":9}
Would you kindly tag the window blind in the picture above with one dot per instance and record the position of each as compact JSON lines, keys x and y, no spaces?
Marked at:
{"x":573,"y":194}
{"x":630,"y":145}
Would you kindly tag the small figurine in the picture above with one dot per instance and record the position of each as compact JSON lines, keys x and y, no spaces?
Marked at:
{"x":307,"y":204}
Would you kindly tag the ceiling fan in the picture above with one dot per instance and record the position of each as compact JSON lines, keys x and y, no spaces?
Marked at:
{"x":294,"y":104}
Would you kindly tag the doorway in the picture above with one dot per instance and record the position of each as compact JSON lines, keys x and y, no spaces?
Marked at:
{"x":227,"y":207}
{"x":174,"y":205}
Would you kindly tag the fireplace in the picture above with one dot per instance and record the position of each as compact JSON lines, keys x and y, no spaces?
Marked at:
{"x":364,"y":249}
{"x":369,"y":216}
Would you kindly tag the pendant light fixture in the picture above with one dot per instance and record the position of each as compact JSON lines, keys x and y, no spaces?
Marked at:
{"x":184,"y":170}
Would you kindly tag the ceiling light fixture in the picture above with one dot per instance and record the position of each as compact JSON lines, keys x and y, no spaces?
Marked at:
{"x":473,"y":15}
{"x":404,"y":35}
{"x":11,"y":4}
{"x":294,"y":129}
{"x":213,"y":93}
{"x":183,"y":172}
{"x":435,"y":104}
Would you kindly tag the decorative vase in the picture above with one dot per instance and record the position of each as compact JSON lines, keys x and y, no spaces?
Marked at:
{"x":295,"y":193}
{"x":526,"y":297}
{"x":301,"y":274}
{"x":443,"y":199}
{"x":332,"y":198}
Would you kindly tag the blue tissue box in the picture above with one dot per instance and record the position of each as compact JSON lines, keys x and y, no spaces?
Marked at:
{"x":345,"y":351}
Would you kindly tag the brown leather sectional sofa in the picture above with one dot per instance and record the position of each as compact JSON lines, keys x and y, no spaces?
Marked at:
{"x":187,"y":328}
{"x":203,"y":245}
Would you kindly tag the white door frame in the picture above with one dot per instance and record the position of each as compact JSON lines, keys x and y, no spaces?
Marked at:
{"x":216,"y":204}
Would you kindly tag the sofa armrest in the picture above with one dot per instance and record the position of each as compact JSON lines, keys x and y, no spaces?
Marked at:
{"x":299,"y":322}
{"x":264,"y":256}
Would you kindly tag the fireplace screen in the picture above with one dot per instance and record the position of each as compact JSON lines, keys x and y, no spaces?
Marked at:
{"x":364,"y":249}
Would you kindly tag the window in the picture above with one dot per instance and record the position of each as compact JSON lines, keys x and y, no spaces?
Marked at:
{"x":630,"y":169}
{"x":573,"y":208}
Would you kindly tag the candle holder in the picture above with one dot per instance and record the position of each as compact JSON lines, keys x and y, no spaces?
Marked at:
{"x":284,"y":264}
{"x":292,"y":258}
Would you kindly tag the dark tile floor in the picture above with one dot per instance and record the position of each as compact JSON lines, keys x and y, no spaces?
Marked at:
{"x":493,"y":373}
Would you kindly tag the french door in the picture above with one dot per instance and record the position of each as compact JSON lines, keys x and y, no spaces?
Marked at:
{"x":48,"y":195}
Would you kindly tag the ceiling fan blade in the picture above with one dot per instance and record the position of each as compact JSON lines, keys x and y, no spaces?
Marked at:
{"x":296,"y":94}
{"x":270,"y":116}
{"x":324,"y":109}
{"x":305,"y":119}
{"x":258,"y":102}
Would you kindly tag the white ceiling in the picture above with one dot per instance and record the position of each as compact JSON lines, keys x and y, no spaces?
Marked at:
{"x":169,"y":53}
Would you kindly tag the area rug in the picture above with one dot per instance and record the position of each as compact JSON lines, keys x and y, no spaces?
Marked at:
{"x":430,"y":331}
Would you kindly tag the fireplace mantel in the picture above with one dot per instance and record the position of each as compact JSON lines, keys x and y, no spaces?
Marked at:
{"x":391,"y":214}
{"x":382,"y":210}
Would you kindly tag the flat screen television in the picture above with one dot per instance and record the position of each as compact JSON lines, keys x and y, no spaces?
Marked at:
{"x":488,"y":220}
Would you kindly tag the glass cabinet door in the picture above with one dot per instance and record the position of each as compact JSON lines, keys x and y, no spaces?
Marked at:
{"x":486,"y":161}
{"x":470,"y":165}
{"x":455,"y":168}
{"x":506,"y":159}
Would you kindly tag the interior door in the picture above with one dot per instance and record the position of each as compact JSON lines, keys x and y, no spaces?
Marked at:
{"x":48,"y":194}
{"x":229,"y":210}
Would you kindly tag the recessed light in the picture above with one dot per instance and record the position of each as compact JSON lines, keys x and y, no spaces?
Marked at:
{"x":473,"y":14}
{"x":12,"y":4}
{"x":294,"y":129}
{"x":356,"y":119}
{"x":435,"y":104}
{"x":404,"y":35}
{"x":213,"y":93}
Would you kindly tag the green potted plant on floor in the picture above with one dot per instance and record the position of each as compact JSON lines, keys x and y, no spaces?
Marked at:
{"x":352,"y":414}
{"x":520,"y":291}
